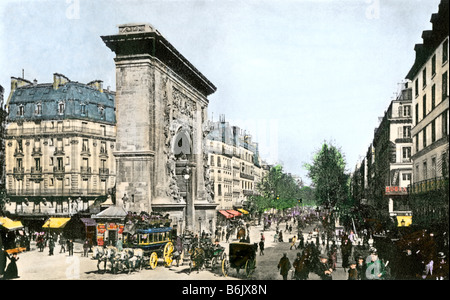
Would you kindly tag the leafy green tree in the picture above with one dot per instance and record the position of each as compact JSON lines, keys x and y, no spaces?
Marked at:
{"x":330,"y":181}
{"x":276,"y":190}
{"x":307,"y":196}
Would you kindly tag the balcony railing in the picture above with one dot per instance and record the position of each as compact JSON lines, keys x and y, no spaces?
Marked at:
{"x":56,"y":192}
{"x":428,"y":185}
{"x":103,"y":173}
{"x":56,"y":130}
{"x":246,"y":176}
{"x":36,"y":170}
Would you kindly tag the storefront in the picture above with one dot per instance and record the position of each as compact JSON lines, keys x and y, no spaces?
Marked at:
{"x":110,"y":225}
{"x":9,"y":233}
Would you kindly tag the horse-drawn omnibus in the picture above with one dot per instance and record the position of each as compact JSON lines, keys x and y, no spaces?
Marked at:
{"x":155,"y":242}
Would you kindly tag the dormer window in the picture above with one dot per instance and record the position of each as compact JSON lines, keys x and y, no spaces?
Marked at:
{"x":101,"y":110}
{"x":83,"y":109}
{"x":61,"y":108}
{"x":21,"y":111}
{"x":38,"y":109}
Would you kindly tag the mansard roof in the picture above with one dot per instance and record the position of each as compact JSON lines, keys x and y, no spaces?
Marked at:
{"x":99,"y":105}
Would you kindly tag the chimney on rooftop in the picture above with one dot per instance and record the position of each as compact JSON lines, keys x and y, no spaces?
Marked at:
{"x":96,"y":84}
{"x":59,"y":79}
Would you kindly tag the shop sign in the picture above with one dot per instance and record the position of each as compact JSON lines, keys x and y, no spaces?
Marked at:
{"x":112,"y":226}
{"x":396,"y":190}
{"x":101,"y":228}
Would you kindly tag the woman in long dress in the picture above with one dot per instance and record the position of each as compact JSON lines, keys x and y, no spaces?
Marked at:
{"x":11,"y":271}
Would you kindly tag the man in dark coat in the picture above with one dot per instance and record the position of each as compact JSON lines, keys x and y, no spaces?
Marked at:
{"x":261,"y":247}
{"x":284,"y":266}
{"x":323,"y":268}
{"x":361,"y":268}
{"x":352,"y":271}
{"x":346,"y":250}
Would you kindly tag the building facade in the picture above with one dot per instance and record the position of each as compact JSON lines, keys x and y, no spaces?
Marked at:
{"x":59,"y":142}
{"x":429,"y":75}
{"x":234,"y":164}
{"x":3,"y":115}
{"x":382,"y":178}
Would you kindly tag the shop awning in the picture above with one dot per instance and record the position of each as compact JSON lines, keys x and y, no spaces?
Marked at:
{"x":234,"y":213}
{"x":226,"y":214}
{"x":243,"y":211}
{"x":56,"y":223}
{"x":10,"y":224}
{"x":88,"y":222}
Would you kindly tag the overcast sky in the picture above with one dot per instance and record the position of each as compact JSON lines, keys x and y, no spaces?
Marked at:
{"x":293,"y":73}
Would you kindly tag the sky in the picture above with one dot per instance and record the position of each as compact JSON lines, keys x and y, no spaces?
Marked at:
{"x":292,"y":73}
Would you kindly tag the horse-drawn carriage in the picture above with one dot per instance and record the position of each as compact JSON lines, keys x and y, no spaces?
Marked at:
{"x":206,"y":254}
{"x":144,"y":247}
{"x":241,"y":256}
{"x":155,"y":243}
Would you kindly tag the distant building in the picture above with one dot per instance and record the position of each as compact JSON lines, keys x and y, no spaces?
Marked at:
{"x":59,"y":142}
{"x":430,"y":131}
{"x":388,"y":161}
{"x":2,"y":143}
{"x":234,"y":164}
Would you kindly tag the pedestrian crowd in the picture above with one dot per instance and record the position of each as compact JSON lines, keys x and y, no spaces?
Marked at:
{"x":359,"y":262}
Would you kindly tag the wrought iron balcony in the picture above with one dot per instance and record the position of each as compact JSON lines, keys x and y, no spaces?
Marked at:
{"x":103,"y":173}
{"x":18,"y":173}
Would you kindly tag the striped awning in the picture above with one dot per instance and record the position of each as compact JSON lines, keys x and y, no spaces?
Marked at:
{"x":10,"y":224}
{"x":243,"y":211}
{"x":56,"y":223}
{"x":226,"y":214}
{"x":234,"y":212}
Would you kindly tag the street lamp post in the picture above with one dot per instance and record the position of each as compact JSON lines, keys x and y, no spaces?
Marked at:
{"x":186,"y":175}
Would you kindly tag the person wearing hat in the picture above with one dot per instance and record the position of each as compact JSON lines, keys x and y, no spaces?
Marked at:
{"x":323,"y":268}
{"x":352,"y":271}
{"x":284,"y":266}
{"x":441,"y":267}
{"x":375,"y":269}
{"x":361,"y":268}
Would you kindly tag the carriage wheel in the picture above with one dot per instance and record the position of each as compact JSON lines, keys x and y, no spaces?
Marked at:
{"x":213,"y":262}
{"x":153,"y":260}
{"x":168,"y":254}
{"x":250,"y":267}
{"x":225,"y":267}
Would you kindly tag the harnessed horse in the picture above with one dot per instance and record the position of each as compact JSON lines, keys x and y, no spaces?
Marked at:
{"x":99,"y":254}
{"x":132,"y":258}
{"x":113,"y":256}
